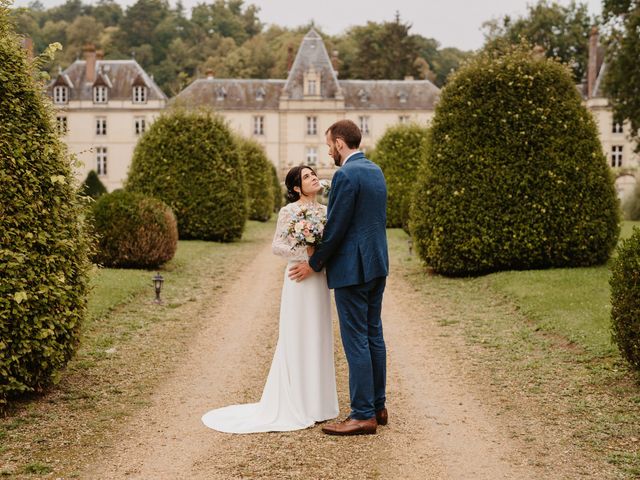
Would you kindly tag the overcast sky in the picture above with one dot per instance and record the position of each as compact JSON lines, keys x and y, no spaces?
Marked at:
{"x":454,"y":23}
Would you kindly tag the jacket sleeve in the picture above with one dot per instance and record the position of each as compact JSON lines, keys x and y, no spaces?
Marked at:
{"x":339,"y":217}
{"x":280,"y":245}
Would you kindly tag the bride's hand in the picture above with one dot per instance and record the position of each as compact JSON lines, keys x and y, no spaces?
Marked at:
{"x":310,"y":250}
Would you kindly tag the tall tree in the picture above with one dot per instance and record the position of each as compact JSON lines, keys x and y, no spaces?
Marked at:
{"x":563,"y":31}
{"x":228,"y":19}
{"x":622,"y":81}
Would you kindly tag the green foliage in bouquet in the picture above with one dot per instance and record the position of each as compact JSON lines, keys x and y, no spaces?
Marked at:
{"x":134,"y":230}
{"x":625,"y":299}
{"x":514,"y":177}
{"x":43,"y":243}
{"x":190,"y":161}
{"x":257,"y":169}
{"x":92,"y":186}
{"x":399,"y":153}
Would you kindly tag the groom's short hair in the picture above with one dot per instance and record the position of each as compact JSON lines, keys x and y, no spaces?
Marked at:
{"x":347,"y":131}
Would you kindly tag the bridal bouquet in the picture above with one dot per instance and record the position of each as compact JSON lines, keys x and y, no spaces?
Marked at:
{"x":306,"y":227}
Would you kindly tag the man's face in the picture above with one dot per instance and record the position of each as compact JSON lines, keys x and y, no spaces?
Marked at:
{"x":333,"y":150}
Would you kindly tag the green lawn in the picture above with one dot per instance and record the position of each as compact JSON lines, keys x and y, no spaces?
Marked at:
{"x":573,"y":302}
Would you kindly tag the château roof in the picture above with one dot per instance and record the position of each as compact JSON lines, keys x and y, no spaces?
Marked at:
{"x":312,"y":54}
{"x":255,"y":94}
{"x":118,"y":75}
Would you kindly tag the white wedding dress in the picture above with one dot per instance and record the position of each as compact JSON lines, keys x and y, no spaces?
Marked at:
{"x":301,"y":386}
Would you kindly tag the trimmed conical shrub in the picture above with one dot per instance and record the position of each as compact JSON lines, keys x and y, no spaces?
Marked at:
{"x":257,"y":169}
{"x":92,"y":186}
{"x":133,"y":230}
{"x":278,"y":191}
{"x":399,"y":153}
{"x":43,"y":245}
{"x":515,"y":176}
{"x":625,"y":299}
{"x":190,"y":161}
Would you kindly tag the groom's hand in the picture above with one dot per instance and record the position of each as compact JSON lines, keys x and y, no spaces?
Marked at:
{"x":300,"y":271}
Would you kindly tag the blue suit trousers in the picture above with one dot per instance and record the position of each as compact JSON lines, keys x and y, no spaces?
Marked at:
{"x":359,"y":310}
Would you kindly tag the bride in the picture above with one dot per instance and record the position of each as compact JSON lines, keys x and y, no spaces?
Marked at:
{"x":301,"y":386}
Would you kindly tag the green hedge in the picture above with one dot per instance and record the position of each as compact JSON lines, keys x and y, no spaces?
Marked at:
{"x":278,"y":191}
{"x":514,"y":177}
{"x":134,"y":231}
{"x":43,"y":244}
{"x":92,"y":186}
{"x":190,"y":161}
{"x":257,"y":168}
{"x":625,"y":299}
{"x":399,"y":153}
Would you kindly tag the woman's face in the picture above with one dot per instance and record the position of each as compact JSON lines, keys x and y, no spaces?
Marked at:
{"x":310,"y":183}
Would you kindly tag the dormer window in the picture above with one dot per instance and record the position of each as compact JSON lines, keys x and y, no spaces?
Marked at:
{"x":260,"y":94}
{"x":221,"y":93}
{"x":61,"y":94}
{"x":100,"y":94}
{"x":139,"y":94}
{"x":403,"y":97}
{"x":312,"y":83}
{"x":363,"y":96}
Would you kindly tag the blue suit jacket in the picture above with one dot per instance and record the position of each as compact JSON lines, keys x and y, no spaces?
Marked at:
{"x":354,"y":245}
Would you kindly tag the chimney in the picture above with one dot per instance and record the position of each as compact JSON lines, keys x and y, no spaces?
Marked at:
{"x":209,"y":73}
{"x":27,"y":44}
{"x":99,"y":54}
{"x":592,"y":65}
{"x":90,"y":58}
{"x":408,"y":78}
{"x":289,"y":58}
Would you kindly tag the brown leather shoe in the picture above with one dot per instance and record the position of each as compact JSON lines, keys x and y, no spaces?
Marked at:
{"x":382,"y":417}
{"x":351,"y":426}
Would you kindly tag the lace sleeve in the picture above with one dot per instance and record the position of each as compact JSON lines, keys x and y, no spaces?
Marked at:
{"x":281,"y":245}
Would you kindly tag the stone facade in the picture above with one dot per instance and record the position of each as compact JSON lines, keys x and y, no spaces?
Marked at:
{"x":103,"y":106}
{"x":289,"y":117}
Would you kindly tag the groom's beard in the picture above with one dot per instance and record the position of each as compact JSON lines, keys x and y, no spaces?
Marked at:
{"x":337,"y":158}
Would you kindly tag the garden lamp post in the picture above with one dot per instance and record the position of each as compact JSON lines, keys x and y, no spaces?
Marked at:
{"x":157,"y":283}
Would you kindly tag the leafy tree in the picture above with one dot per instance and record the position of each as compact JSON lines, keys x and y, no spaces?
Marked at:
{"x":43,"y":243}
{"x":622,"y":79}
{"x":258,"y":174}
{"x":515,"y":176}
{"x":92,"y":185}
{"x":190,"y":161}
{"x":399,"y":153}
{"x":563,"y":32}
{"x":226,"y":18}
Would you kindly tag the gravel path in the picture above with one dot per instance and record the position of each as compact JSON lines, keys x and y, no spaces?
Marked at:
{"x":439,"y":428}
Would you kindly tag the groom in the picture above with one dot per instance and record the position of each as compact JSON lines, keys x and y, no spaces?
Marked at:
{"x":354,"y":252}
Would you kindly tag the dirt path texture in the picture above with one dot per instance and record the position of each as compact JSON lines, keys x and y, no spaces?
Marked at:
{"x":442,"y":425}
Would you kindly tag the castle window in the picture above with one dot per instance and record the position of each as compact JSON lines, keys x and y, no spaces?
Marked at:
{"x":258,"y":125}
{"x":221,"y":93}
{"x":100,"y":94}
{"x":616,"y":127}
{"x":404,"y":118}
{"x":139,"y":94}
{"x":312,"y":156}
{"x":616,"y":156}
{"x":101,"y":126}
{"x":312,"y":125}
{"x":61,"y":123}
{"x":140,"y":125}
{"x":311,"y":83}
{"x":260,"y":94}
{"x":364,"y":125}
{"x":101,"y":160}
{"x":60,"y":94}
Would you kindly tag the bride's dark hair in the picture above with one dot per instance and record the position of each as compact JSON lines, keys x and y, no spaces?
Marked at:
{"x":294,"y":179}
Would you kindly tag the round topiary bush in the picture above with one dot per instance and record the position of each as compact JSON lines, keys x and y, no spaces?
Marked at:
{"x":134,"y":231}
{"x":43,"y":244}
{"x":190,"y":161}
{"x":92,"y":186}
{"x":278,"y":191}
{"x":257,"y":169}
{"x":625,"y":299}
{"x":399,"y":153}
{"x":515,"y":176}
